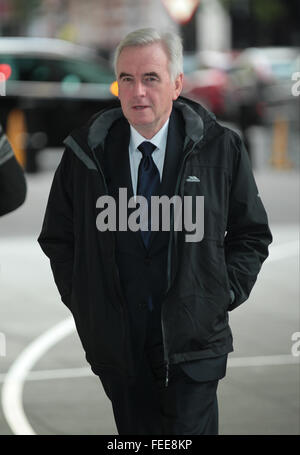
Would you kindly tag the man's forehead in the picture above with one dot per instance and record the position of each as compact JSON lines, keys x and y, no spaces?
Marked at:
{"x":135,"y":55}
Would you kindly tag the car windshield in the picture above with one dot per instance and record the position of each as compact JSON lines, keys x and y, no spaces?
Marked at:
{"x":283,"y":70}
{"x":56,"y":70}
{"x":282,"y":62}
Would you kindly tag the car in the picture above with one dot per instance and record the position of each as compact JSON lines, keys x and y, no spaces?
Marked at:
{"x":206,"y":80}
{"x":261,"y":77}
{"x":51,"y":87}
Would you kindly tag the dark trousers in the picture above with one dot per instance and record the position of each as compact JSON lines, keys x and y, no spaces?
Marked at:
{"x":148,"y":407}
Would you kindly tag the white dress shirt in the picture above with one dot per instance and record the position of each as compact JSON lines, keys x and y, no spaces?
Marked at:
{"x":158,"y":155}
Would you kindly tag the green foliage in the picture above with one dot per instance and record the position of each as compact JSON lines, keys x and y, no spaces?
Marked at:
{"x":268,"y":10}
{"x":265,"y":11}
{"x":24,"y":9}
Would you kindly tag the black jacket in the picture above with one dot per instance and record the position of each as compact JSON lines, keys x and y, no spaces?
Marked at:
{"x":200,"y":275}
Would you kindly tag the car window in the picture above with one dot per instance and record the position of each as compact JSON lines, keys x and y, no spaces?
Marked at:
{"x":82,"y":71}
{"x":56,"y":70}
{"x":28,"y":69}
{"x":283,"y":70}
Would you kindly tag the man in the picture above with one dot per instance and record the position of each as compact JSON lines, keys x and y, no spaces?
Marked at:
{"x":12,"y":180}
{"x":151,"y":307}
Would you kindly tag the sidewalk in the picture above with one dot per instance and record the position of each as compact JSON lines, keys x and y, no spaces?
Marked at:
{"x":280,"y":193}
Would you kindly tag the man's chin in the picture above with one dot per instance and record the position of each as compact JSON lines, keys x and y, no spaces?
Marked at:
{"x":146,"y":129}
{"x":139,"y":122}
{"x":142,"y":118}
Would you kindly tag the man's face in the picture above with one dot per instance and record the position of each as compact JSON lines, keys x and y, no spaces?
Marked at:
{"x":146,"y":90}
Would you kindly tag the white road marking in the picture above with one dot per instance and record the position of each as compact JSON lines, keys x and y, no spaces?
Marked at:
{"x":12,"y":390}
{"x":64,"y":373}
{"x":19,"y":371}
{"x":84,"y":372}
{"x":263,"y":361}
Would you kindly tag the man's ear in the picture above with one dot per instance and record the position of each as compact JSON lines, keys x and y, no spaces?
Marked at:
{"x":178,"y":86}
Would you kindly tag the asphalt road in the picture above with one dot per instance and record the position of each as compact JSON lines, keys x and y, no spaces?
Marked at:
{"x":46,"y":386}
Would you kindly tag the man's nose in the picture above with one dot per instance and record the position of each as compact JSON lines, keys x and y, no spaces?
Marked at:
{"x":139,"y":88}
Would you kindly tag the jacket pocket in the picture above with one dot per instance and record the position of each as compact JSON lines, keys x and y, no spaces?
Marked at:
{"x":194,"y":322}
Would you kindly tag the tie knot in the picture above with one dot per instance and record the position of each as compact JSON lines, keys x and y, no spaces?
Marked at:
{"x":146,"y":148}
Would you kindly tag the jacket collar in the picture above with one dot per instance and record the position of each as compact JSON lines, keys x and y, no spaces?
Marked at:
{"x":198,"y":125}
{"x":194,"y":126}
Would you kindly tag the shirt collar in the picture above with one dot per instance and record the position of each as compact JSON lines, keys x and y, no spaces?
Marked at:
{"x":159,"y":140}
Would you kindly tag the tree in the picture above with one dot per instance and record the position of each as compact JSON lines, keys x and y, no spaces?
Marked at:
{"x":264,"y":22}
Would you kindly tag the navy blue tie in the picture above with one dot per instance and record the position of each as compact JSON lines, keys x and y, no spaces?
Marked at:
{"x":148,"y":181}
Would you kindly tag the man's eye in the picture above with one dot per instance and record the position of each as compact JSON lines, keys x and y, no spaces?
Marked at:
{"x":126,"y":79}
{"x":151,"y":78}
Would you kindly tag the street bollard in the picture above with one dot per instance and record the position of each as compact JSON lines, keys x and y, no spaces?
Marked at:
{"x":279,"y":157}
{"x":16,"y":134}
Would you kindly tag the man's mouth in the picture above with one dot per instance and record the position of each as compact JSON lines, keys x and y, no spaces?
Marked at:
{"x":140,"y":108}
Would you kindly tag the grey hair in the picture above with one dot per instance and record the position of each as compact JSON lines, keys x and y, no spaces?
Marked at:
{"x":170,"y":41}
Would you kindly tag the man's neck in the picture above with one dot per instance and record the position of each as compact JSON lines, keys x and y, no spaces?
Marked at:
{"x":148,"y":132}
{"x":157,"y":137}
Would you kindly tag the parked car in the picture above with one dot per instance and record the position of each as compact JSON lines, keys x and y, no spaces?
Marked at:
{"x":55,"y":85}
{"x":259,"y":78}
{"x":206,"y":80}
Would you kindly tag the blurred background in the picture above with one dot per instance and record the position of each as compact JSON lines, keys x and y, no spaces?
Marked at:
{"x":240,"y":57}
{"x":242,"y":62}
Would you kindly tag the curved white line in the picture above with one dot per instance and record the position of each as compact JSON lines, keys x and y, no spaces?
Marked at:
{"x":263,"y":361}
{"x":20,"y":371}
{"x":12,"y":391}
{"x":86,"y":372}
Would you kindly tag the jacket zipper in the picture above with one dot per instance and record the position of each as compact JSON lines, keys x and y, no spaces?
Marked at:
{"x":106,"y":189}
{"x":172,"y":222}
{"x":190,"y":150}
